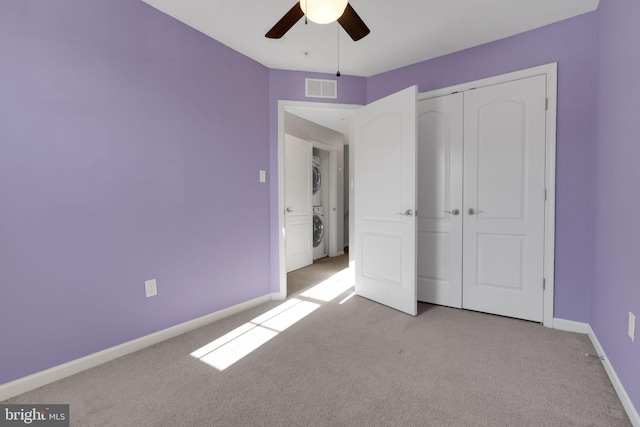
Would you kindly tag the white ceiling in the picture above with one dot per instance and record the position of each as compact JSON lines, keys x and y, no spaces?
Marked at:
{"x":403,"y":32}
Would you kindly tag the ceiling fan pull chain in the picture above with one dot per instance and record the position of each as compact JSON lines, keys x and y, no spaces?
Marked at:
{"x":338,"y":27}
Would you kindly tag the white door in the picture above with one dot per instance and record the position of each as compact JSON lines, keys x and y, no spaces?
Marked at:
{"x":504,"y":197}
{"x":440,"y":124}
{"x":385,"y":201}
{"x":298,"y":196}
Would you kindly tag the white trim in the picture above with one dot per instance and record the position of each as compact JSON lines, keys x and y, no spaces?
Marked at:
{"x":551,"y":72}
{"x":39,"y":379}
{"x":617,"y":385}
{"x":571,"y":326}
{"x":550,"y":186}
{"x":489,"y":81}
{"x":585,"y":328}
{"x":282,"y":107}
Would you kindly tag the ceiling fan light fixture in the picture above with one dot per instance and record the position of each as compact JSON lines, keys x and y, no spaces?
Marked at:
{"x":323,"y":11}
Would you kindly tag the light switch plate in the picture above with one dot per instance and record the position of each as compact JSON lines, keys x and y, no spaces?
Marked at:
{"x":263,"y":176}
{"x":632,"y":327}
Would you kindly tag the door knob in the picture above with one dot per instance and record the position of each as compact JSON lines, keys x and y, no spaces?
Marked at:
{"x":408,"y":212}
{"x":453,"y":212}
{"x":472,"y":211}
{"x":288,"y":210}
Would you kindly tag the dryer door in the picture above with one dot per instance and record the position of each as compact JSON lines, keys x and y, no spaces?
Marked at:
{"x":316,"y":178}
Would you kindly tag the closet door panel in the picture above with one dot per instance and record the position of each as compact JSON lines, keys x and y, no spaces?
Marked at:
{"x":439,"y":196}
{"x":504,"y":170}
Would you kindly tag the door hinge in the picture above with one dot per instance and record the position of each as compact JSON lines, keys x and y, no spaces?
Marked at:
{"x":546,"y":104}
{"x":545,"y":194}
{"x":544,"y":284}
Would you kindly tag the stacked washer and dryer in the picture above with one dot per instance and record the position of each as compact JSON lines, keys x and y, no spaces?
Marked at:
{"x":319,"y":228}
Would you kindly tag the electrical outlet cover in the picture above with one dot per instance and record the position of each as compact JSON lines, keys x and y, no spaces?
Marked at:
{"x":150,"y":288}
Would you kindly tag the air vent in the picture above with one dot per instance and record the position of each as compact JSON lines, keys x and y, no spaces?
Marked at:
{"x":316,"y":88}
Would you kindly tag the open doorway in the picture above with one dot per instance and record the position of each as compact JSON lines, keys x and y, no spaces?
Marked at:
{"x":327,"y":128}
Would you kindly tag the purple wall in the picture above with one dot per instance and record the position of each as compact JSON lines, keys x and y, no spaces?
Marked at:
{"x":570,"y":43}
{"x":130,"y":146}
{"x":616,"y":247}
{"x":289,"y":86}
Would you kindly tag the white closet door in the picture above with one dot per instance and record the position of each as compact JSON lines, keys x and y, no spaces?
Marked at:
{"x":440,"y":124}
{"x":385,"y":201}
{"x":298,"y":196}
{"x":504,"y":176}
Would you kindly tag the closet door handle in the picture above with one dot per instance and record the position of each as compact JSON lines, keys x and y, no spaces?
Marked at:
{"x":472,"y":211}
{"x":288,"y":210}
{"x":408,"y":212}
{"x":453,"y":212}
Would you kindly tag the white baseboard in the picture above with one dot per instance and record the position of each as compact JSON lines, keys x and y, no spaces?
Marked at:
{"x":617,"y":385}
{"x":39,"y":379}
{"x":585,"y":328}
{"x":279,"y":296}
{"x":571,"y":326}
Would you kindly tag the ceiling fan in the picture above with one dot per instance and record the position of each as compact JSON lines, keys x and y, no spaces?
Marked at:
{"x":322,"y":12}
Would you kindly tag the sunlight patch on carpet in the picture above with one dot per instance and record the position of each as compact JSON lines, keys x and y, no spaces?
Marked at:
{"x":331,"y":288}
{"x":228,"y":349}
{"x":348,"y":297}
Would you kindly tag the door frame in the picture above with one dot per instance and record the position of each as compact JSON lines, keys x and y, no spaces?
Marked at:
{"x":551,"y":72}
{"x":283,"y":106}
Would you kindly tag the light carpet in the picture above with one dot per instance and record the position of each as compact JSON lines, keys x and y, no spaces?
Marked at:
{"x":349,"y":361}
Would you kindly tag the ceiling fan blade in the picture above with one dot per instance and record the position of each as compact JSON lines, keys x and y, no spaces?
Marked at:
{"x":353,"y":24}
{"x":286,"y":22}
